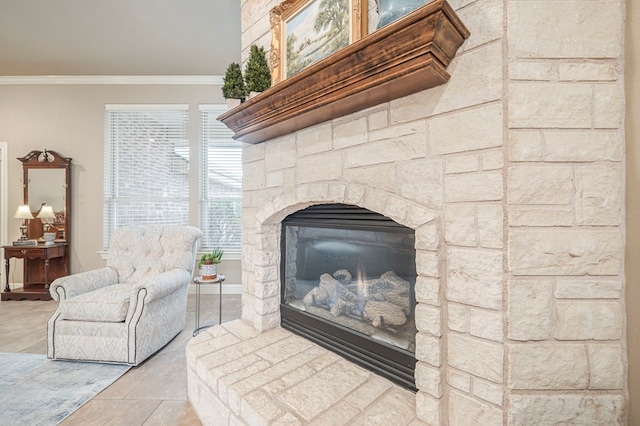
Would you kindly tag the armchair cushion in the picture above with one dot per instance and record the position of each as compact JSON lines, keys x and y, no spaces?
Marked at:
{"x":107,"y":304}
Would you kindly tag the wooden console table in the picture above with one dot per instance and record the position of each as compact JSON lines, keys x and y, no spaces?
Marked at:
{"x":38,"y":288}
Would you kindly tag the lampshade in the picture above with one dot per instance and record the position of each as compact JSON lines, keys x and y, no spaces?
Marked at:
{"x":46,"y":212}
{"x":23,"y":212}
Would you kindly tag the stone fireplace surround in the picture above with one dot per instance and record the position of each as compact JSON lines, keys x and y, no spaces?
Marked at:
{"x":511,"y":175}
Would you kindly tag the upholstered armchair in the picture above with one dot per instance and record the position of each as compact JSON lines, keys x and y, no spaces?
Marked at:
{"x":128,"y":310}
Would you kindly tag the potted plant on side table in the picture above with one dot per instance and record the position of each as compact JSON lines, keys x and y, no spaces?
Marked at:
{"x":208,"y":262}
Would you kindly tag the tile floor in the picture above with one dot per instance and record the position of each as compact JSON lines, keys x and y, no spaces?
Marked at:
{"x":151,"y":394}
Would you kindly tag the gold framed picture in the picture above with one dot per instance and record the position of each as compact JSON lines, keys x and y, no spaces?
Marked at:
{"x":307,"y":31}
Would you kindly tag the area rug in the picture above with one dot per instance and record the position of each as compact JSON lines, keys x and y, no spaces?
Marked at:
{"x":37,"y":391}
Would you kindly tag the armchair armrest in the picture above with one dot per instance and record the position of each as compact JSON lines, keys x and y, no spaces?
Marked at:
{"x":83,"y":282}
{"x":161,"y":285}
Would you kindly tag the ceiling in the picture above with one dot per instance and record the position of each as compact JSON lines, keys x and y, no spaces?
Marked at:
{"x":118,"y":37}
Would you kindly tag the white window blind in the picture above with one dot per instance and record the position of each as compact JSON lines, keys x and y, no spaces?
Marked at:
{"x":146,"y":166}
{"x":220,"y":183}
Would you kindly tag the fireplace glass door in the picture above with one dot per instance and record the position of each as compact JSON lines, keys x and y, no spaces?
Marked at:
{"x":348,"y":277}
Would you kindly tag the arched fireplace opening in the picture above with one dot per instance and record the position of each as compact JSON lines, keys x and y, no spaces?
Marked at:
{"x":348,"y":277}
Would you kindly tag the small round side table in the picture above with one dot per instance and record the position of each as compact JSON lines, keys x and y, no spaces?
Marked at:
{"x":199,"y":281}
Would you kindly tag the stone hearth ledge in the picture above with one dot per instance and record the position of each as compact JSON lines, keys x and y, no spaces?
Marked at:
{"x":237,"y":375}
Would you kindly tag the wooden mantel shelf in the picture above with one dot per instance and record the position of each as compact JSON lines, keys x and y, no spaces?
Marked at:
{"x":404,"y":57}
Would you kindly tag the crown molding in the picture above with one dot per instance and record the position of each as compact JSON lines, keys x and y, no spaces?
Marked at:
{"x":113,"y":79}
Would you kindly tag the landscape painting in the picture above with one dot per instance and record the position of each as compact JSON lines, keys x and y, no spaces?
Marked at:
{"x":319,"y":29}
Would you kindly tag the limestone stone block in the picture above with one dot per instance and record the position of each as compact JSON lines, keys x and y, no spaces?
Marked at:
{"x":319,"y":167}
{"x":458,"y":317}
{"x":533,"y":184}
{"x":587,"y":71}
{"x":427,"y":237}
{"x":484,"y":19}
{"x":485,"y":186}
{"x":525,"y":145}
{"x":428,"y":290}
{"x":369,"y":392}
{"x":401,"y":148}
{"x":492,"y":160}
{"x":421,"y":181}
{"x":550,"y":105}
{"x":428,"y":408}
{"x":378,"y":119}
{"x":486,"y":324}
{"x":530,"y":309}
{"x":475,"y":356}
{"x":531,"y":70}
{"x":427,"y":263}
{"x":608,"y":110}
{"x":428,"y":319}
{"x":466,"y":130}
{"x":583,"y":289}
{"x":428,"y":379}
{"x":490,"y":225}
{"x":567,"y":409}
{"x":606,"y":366}
{"x":548,"y":366}
{"x":565,"y":252}
{"x":258,"y":407}
{"x":398,"y":130}
{"x":354,"y":195}
{"x":314,"y":140}
{"x":428,"y":349}
{"x":583,"y":146}
{"x":461,"y":164}
{"x":275,"y":179}
{"x":541,"y":216}
{"x":600,"y":194}
{"x":382,"y":177}
{"x":254,"y":176}
{"x":280,"y":153}
{"x":462,"y":409}
{"x":589,"y":320}
{"x":490,"y":392}
{"x":253,"y":11}
{"x":460,"y":225}
{"x":349,"y":133}
{"x":253,"y":152}
{"x":567,"y":29}
{"x":474,"y":277}
{"x":459,"y":380}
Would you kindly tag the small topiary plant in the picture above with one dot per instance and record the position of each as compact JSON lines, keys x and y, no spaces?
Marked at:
{"x":233,"y":87}
{"x":257,"y":75}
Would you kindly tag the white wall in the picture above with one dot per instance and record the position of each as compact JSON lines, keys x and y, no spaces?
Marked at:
{"x":69,"y":118}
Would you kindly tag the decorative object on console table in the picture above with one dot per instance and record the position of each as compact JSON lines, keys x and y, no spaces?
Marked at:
{"x":257,"y":75}
{"x":233,"y":89}
{"x":23,"y":212}
{"x":47,"y":216}
{"x":208,"y":262}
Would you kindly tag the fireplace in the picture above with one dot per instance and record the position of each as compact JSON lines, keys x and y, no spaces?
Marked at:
{"x":348,"y":277}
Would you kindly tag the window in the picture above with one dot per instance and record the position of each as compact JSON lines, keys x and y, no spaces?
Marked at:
{"x":146,"y":173}
{"x":220,"y":183}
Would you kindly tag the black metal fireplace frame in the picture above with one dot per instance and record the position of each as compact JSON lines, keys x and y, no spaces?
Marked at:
{"x":388,"y":361}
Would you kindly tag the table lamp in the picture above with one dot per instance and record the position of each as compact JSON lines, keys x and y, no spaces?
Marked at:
{"x":46,"y":216}
{"x":24,"y":213}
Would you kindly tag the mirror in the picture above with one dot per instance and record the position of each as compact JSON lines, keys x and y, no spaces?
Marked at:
{"x":47,"y":186}
{"x":46,"y":182}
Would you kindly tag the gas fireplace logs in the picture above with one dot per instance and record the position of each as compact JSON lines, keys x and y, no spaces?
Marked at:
{"x":384,"y":301}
